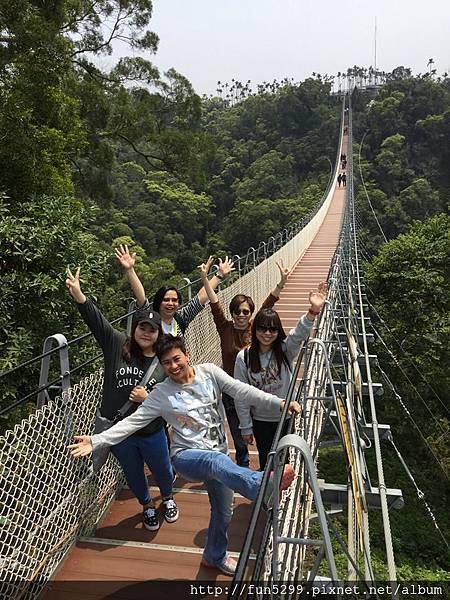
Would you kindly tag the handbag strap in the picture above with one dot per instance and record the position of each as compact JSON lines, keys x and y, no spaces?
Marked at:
{"x":145,"y":379}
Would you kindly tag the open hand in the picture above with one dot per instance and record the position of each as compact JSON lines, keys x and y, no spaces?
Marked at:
{"x":318,"y":297}
{"x":248,"y":439}
{"x":225,"y":267}
{"x":82,"y":447}
{"x":126,"y":259}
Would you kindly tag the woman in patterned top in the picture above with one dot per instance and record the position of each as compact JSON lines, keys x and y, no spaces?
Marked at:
{"x":167,"y":301}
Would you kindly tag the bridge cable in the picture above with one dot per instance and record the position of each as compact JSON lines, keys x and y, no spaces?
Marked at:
{"x":405,"y":408}
{"x":365,"y":189}
{"x":419,"y":492}
{"x":411,"y":362}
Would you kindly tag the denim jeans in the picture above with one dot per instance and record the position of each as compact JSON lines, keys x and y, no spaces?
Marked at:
{"x":242,"y":456}
{"x":153,"y":450}
{"x":221,"y":477}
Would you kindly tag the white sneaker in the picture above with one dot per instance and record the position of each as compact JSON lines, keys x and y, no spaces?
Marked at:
{"x":171,"y":512}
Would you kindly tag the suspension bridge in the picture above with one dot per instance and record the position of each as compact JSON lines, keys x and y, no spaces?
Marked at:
{"x":69,"y":533}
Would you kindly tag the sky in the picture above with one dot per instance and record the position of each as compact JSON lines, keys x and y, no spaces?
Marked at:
{"x":262,"y":40}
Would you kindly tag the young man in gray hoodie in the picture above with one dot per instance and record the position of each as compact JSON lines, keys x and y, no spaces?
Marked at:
{"x":190,"y":400}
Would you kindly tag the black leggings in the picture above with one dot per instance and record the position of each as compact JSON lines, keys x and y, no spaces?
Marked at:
{"x":264,"y":432}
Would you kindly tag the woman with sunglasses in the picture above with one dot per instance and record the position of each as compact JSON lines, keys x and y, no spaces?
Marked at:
{"x":267,"y":364}
{"x":235,"y":334}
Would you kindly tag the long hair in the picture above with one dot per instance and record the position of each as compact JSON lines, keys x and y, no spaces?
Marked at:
{"x":267,"y":317}
{"x":131,"y":349}
{"x":159,"y":296}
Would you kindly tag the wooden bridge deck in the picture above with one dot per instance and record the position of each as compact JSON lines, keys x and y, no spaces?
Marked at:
{"x":123,"y":553}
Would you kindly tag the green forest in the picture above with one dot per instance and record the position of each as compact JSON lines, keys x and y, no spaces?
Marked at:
{"x":91,"y":159}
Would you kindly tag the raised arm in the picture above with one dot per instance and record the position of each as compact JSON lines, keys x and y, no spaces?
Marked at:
{"x":103,"y":331}
{"x":225,"y":268}
{"x":204,"y":270}
{"x":284,"y":274}
{"x":127,"y":262}
{"x":301,"y":331}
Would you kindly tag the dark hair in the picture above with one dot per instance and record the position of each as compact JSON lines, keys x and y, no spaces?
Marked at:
{"x":131,"y":348}
{"x":267,"y":317}
{"x":159,"y":296}
{"x":167,"y":342}
{"x":238,"y":300}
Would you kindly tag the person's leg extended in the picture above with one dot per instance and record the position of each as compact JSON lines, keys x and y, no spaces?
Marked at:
{"x":203,"y":465}
{"x":132,"y":463}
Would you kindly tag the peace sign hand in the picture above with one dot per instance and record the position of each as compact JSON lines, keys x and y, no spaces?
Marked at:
{"x":284,"y":272}
{"x":73,"y":285}
{"x":204,"y":268}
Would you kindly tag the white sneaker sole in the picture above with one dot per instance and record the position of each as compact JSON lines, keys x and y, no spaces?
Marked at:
{"x":171,"y":519}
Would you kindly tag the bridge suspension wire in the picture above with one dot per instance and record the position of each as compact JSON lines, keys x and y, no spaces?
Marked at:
{"x":419,"y":492}
{"x":419,"y":395}
{"x":365,"y":189}
{"x":411,"y":418}
{"x":410,"y":361}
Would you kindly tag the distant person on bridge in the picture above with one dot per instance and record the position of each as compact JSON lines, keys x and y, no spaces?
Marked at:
{"x":131,"y":369}
{"x":235,"y":334}
{"x":339,"y":179}
{"x":167,"y":302}
{"x":344,"y":180}
{"x":267,"y":364}
{"x":190,"y":399}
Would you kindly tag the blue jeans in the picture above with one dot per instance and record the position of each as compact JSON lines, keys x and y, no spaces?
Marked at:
{"x":221,"y":477}
{"x":153,"y":450}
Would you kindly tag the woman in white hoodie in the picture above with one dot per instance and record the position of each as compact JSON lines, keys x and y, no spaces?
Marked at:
{"x":267,"y":365}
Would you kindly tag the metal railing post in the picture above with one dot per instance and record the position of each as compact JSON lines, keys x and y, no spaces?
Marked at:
{"x":60,"y":341}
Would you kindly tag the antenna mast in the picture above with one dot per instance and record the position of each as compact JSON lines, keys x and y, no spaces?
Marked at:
{"x":375,"y":51}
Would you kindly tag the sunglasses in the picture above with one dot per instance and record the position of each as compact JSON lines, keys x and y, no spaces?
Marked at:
{"x":242,"y":311}
{"x":263,"y":329}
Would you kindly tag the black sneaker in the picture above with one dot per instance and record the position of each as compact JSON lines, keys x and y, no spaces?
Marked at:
{"x":171,"y":512}
{"x":150,"y":519}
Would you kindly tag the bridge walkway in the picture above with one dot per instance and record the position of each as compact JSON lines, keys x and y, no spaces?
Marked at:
{"x":122,"y":552}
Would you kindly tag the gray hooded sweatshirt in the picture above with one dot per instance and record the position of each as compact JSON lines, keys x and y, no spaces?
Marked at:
{"x":194,"y":410}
